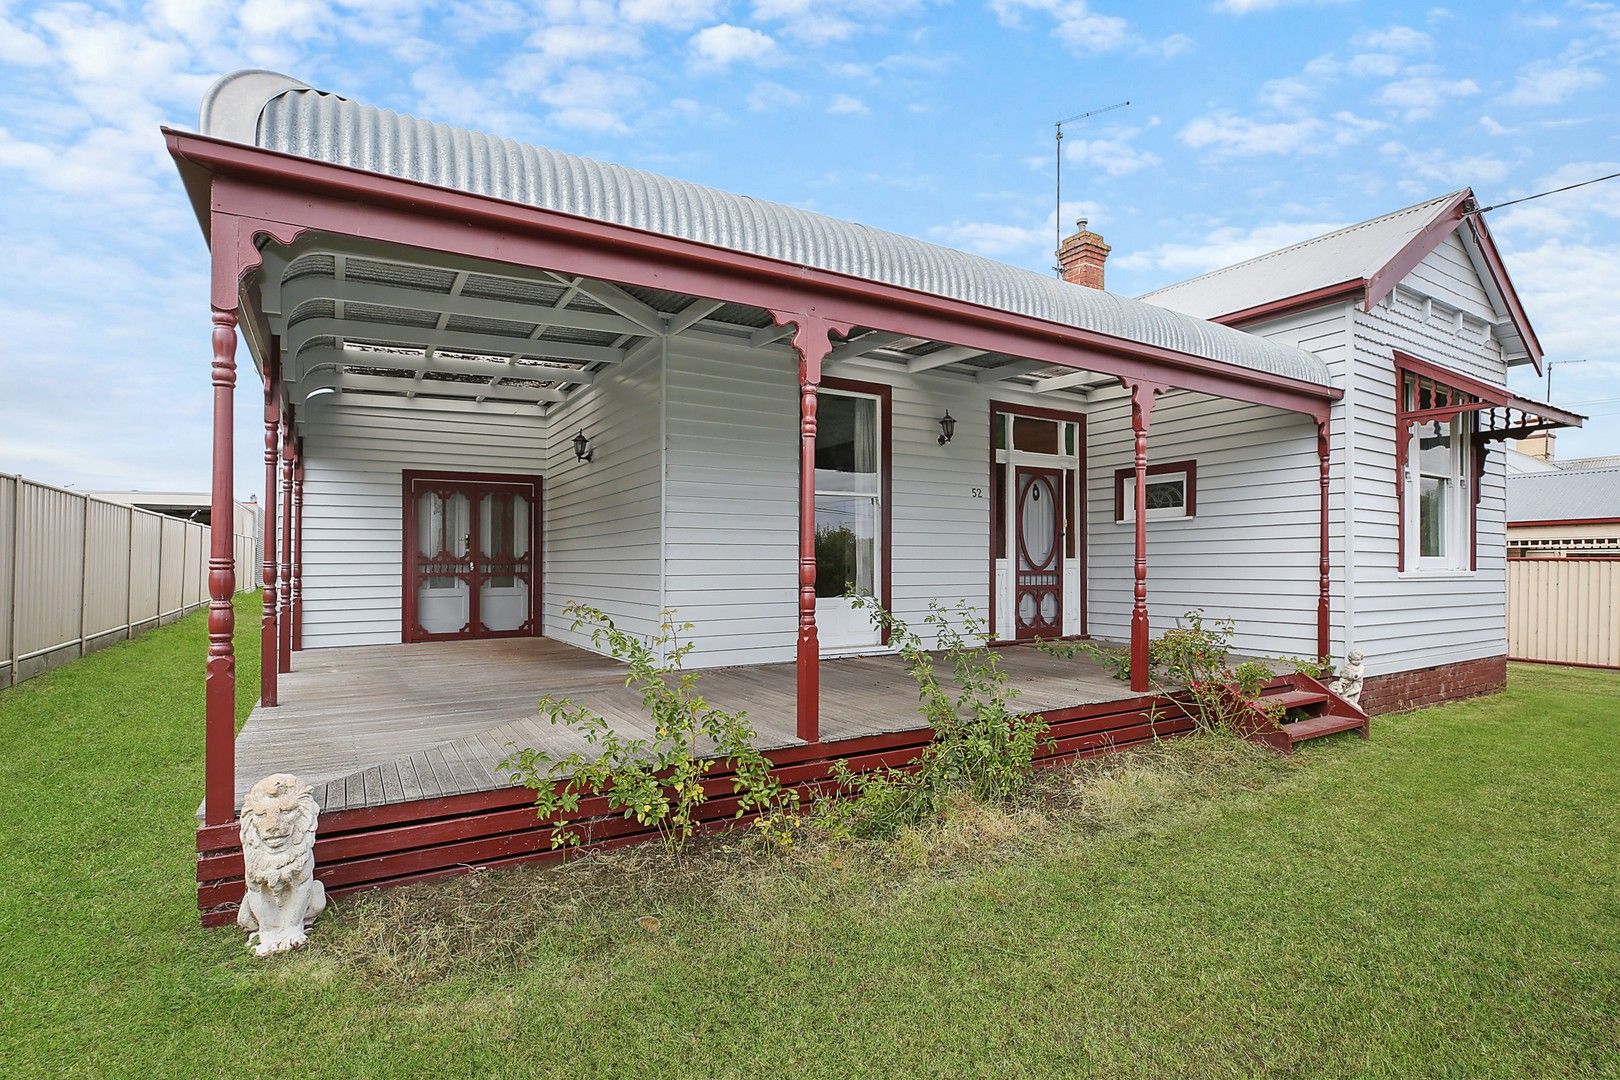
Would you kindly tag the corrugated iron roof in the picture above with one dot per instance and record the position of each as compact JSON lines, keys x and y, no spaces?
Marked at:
{"x":1564,"y":494}
{"x":279,"y":113}
{"x":1356,"y":251}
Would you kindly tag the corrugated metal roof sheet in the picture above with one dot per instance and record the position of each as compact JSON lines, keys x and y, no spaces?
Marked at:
{"x":299,"y":120}
{"x":1567,"y":493}
{"x":1357,"y":251}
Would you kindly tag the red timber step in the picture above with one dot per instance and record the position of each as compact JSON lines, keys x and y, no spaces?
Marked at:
{"x":408,"y":842}
{"x":1307,"y":710}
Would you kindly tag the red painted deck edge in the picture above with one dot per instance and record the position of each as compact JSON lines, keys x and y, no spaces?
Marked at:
{"x":430,"y":838}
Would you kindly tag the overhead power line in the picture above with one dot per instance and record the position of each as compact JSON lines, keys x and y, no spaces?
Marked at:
{"x":1542,"y":194}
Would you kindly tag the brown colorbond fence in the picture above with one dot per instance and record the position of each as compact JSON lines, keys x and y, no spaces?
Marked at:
{"x":77,"y":572}
{"x":1565,"y":610}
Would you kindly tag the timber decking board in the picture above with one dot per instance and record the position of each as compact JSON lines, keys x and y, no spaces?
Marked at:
{"x":376,"y":725}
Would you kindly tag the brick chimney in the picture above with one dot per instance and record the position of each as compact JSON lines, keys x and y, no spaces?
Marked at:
{"x":1540,"y":445}
{"x":1081,"y":257}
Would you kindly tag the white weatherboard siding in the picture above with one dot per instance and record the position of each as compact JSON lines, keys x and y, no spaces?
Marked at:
{"x":731,"y":515}
{"x":602,"y":518}
{"x":1250,"y":554}
{"x":1419,"y":619}
{"x":353,"y":499}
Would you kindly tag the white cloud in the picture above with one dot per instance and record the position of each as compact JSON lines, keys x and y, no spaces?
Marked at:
{"x":1074,"y":23}
{"x":845,"y":105}
{"x":771,"y":97}
{"x":822,"y":21}
{"x":1396,"y":39}
{"x":1420,"y":94}
{"x":592,"y":100}
{"x":1423,"y":173}
{"x":1250,"y":7}
{"x":1113,"y":153}
{"x":1226,"y":134}
{"x":1551,"y":82}
{"x":994,"y":238}
{"x":567,"y":43}
{"x":675,"y":14}
{"x":726,"y":44}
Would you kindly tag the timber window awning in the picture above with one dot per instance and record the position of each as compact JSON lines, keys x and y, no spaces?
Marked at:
{"x":1427,"y":393}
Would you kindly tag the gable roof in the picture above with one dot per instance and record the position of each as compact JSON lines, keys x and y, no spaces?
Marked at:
{"x":275,"y":112}
{"x":1363,"y":261}
{"x":1564,"y":495}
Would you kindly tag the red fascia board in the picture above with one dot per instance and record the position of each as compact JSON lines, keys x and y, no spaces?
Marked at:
{"x":1415,"y":250}
{"x":257,"y":185}
{"x":1345,"y":290}
{"x":1504,"y":285}
{"x":1565,"y":521}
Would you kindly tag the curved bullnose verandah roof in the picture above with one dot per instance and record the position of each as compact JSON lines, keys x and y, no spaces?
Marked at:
{"x":275,"y":112}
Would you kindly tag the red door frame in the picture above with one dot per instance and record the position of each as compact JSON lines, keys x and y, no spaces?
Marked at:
{"x":1054,"y":478}
{"x":998,"y":409}
{"x":407,"y":544}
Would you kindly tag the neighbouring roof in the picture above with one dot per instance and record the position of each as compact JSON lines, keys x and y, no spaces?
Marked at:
{"x":1356,"y":255}
{"x":278,"y":113}
{"x":1564,"y":495}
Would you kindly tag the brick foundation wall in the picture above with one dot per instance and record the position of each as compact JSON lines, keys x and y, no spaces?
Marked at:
{"x":1404,"y":690}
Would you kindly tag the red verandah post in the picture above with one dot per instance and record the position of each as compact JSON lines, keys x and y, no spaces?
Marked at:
{"x":1143,"y":395}
{"x":810,"y":339}
{"x":219,"y":723}
{"x":267,"y":629}
{"x":284,"y":656}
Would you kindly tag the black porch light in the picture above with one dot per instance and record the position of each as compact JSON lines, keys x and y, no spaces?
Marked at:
{"x":947,"y":428}
{"x":582,"y":447}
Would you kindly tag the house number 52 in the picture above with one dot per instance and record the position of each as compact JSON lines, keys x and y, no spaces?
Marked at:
{"x":978,"y":492}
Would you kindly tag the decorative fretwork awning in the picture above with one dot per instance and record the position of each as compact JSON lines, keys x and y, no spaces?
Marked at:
{"x":1427,"y":393}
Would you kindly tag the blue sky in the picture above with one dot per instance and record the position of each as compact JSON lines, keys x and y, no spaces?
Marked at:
{"x":1254,"y":123}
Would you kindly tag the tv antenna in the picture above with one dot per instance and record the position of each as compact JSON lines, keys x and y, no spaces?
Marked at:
{"x":1075,"y":119}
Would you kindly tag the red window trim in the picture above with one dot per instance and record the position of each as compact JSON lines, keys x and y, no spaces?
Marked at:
{"x":407,"y":607}
{"x":885,"y":396}
{"x":1189,"y":466}
{"x":998,"y":409}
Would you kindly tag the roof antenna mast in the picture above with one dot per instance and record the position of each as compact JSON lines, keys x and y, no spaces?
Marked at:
{"x":1075,"y":119}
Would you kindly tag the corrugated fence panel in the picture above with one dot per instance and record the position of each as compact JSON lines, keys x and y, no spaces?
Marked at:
{"x":78,"y":572}
{"x":49,"y":560}
{"x":1562,"y":610}
{"x":8,"y":515}
{"x":106,"y":568}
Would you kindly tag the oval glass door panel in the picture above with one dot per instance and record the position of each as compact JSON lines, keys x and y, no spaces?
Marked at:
{"x":444,"y":534}
{"x":504,"y":561}
{"x":1038,"y":581}
{"x":1036,"y":520}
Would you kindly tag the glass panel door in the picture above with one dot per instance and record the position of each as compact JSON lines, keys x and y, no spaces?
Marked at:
{"x":849,"y":514}
{"x":443,"y":571}
{"x":504,"y":563}
{"x":1038,"y":584}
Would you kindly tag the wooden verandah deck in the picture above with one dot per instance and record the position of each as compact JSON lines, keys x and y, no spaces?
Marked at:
{"x":380,"y":725}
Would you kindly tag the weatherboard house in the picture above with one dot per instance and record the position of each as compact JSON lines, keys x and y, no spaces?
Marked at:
{"x":499,"y":379}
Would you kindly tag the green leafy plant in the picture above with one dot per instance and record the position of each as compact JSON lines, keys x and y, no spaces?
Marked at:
{"x":659,"y":781}
{"x":983,"y":746}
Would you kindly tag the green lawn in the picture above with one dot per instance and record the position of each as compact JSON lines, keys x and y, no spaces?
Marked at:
{"x":1441,"y":901}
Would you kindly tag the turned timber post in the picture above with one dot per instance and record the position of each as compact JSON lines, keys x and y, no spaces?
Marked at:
{"x":1143,"y":395}
{"x":1324,"y":454}
{"x":219,"y":723}
{"x":284,"y":649}
{"x":297,"y":526}
{"x":811,"y":341}
{"x":267,"y":628}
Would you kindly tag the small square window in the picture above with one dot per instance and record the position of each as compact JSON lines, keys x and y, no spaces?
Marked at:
{"x":1170,"y":492}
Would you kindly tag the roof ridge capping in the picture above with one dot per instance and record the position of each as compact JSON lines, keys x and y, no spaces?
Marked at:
{"x":1436,"y":201}
{"x":276,"y":112}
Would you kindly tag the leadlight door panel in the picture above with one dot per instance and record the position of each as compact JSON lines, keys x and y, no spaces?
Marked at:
{"x":470,"y":558}
{"x":1038,"y":580}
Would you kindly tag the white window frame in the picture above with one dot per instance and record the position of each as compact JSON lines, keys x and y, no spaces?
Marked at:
{"x":1454,"y":556}
{"x":1127,"y":508}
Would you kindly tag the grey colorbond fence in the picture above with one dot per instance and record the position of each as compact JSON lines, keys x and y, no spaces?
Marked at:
{"x":77,"y":572}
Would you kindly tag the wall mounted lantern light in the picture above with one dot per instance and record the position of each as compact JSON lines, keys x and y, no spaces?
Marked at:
{"x":582,"y":448}
{"x":947,"y":428}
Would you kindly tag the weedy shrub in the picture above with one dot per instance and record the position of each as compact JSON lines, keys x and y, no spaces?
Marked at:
{"x":657,"y":781}
{"x":983,"y":746}
{"x":1190,"y":664}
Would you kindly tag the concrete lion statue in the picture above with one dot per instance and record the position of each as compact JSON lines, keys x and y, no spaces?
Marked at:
{"x":283,"y":898}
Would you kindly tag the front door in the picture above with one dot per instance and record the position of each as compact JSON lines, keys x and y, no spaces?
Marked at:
{"x":471,"y":556}
{"x":1038,"y":581}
